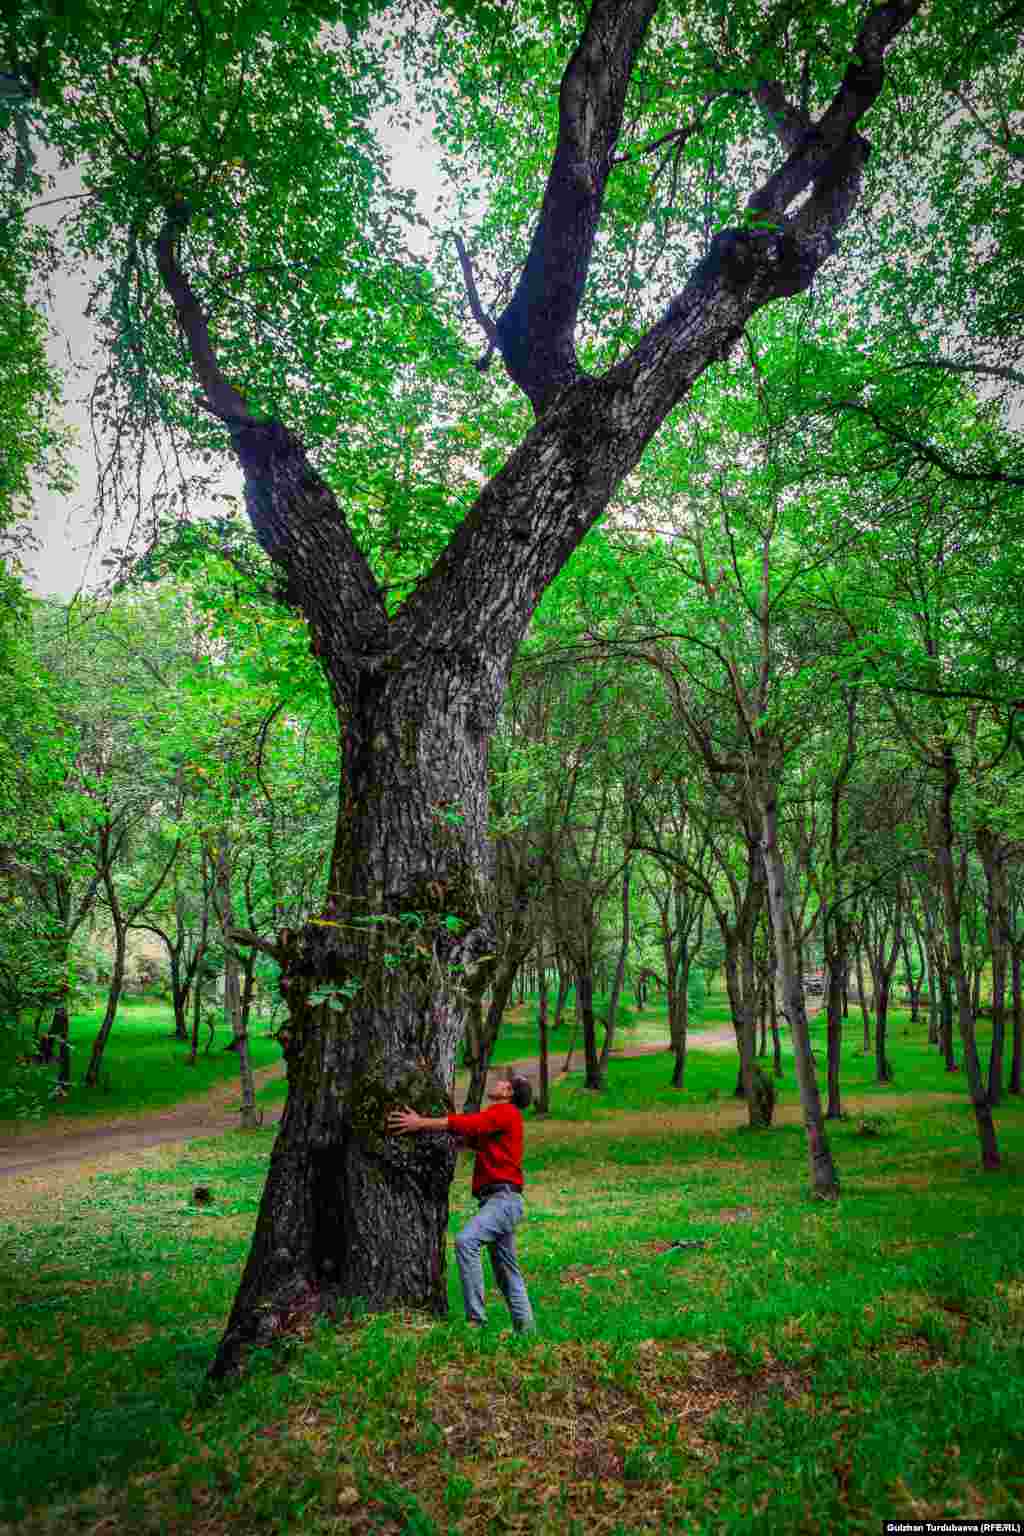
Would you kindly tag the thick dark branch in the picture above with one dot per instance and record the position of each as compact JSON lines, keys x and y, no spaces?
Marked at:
{"x":222,"y":398}
{"x":294,"y":513}
{"x":536,"y":331}
{"x":813,"y":146}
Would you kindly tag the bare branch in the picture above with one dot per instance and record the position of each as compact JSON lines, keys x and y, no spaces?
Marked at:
{"x":480,"y":315}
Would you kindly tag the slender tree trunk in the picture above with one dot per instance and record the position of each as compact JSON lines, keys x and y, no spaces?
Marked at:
{"x":1017,"y":1059}
{"x":585,"y":1016}
{"x":934,"y":1006}
{"x":865,"y":1015}
{"x":943,"y":839}
{"x":993,"y":857}
{"x":834,"y":931}
{"x":485,"y":1034}
{"x":92,"y":1074}
{"x":179,"y":995}
{"x":197,"y":1008}
{"x":544,"y":1089}
{"x":824,"y":1178}
{"x":617,"y":980}
{"x":758,"y":1090}
{"x":233,"y":1015}
{"x":773,"y":1013}
{"x":679,"y":1019}
{"x":248,"y":978}
{"x":946,"y":1010}
{"x":55,"y":1039}
{"x":734,"y":991}
{"x":573,"y":1029}
{"x":61,"y":1027}
{"x":883,"y":1066}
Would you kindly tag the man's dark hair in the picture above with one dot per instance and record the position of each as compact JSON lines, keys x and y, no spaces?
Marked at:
{"x":522,"y":1092}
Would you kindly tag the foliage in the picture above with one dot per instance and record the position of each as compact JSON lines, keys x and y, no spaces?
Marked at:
{"x":144,"y":1068}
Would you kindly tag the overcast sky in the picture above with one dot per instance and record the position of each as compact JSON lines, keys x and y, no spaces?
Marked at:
{"x":63,"y":525}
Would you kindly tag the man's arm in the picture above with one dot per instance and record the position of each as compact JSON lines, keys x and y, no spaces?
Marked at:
{"x":402,"y":1120}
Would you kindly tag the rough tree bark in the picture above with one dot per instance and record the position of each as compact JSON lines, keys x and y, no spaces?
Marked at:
{"x":349,"y":1211}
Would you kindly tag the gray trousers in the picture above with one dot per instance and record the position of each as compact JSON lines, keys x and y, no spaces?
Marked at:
{"x":494,"y":1227}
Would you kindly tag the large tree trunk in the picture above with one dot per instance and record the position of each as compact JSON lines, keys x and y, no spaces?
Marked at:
{"x":824,"y":1178}
{"x":350,"y":1210}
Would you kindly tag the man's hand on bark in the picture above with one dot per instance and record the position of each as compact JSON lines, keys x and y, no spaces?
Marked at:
{"x":402,"y":1120}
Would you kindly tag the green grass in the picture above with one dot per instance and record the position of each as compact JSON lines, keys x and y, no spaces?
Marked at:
{"x":812,"y":1368}
{"x":144,"y":1067}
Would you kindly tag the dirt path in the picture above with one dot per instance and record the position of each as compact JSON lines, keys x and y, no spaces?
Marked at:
{"x":93,"y":1148}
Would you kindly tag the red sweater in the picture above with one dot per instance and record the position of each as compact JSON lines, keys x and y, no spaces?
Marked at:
{"x":496,"y":1136}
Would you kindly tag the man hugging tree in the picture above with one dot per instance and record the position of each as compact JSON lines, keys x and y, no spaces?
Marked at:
{"x":495,"y":1134}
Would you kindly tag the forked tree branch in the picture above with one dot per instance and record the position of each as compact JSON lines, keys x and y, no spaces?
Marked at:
{"x":592,"y":431}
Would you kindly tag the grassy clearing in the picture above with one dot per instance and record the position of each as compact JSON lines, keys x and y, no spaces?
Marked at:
{"x":809,"y":1368}
{"x":144,"y":1067}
